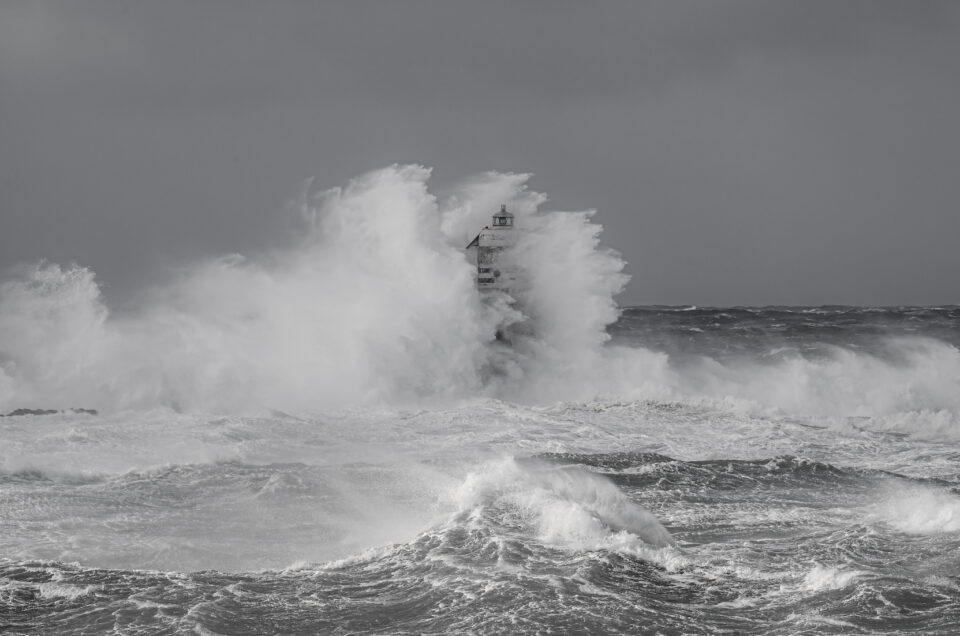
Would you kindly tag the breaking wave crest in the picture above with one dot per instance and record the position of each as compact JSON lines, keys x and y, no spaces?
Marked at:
{"x":902,"y":374}
{"x":565,"y":506}
{"x":375,"y":303}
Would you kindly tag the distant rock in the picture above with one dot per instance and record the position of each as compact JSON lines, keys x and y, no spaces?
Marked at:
{"x":48,"y":412}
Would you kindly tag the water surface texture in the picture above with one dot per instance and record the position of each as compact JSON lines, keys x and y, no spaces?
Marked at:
{"x":330,"y":439}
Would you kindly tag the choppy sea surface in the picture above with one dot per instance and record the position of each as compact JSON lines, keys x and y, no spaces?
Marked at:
{"x":783,"y":470}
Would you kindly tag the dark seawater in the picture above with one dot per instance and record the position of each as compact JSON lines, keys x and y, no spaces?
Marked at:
{"x":776,"y":331}
{"x":804,"y":461}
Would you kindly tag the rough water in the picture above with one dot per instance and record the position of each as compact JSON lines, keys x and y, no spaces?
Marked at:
{"x":329,"y":438}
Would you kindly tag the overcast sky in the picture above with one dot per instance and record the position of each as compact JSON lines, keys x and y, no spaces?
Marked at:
{"x":765,"y":152}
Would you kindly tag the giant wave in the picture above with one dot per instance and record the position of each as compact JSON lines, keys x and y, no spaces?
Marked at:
{"x":375,"y":303}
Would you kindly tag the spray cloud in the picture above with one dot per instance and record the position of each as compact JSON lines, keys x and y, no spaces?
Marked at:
{"x":375,"y":302}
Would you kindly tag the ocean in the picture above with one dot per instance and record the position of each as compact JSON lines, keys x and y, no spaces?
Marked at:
{"x":331,"y":439}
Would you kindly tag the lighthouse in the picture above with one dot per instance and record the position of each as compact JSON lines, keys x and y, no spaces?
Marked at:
{"x":494,"y":271}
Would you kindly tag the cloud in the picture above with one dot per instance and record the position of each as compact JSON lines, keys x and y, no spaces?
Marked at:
{"x":735,"y":132}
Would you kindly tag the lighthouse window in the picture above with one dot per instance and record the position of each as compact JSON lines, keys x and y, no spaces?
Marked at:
{"x":483,"y":270}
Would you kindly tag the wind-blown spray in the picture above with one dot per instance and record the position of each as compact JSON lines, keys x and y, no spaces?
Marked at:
{"x":375,"y":302}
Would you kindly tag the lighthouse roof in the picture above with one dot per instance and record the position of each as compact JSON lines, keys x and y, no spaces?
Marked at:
{"x":503,"y":212}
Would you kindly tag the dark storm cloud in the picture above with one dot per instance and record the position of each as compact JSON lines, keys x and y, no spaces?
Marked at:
{"x":739,"y":152}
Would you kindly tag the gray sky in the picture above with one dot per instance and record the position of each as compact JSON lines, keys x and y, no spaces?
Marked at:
{"x":765,"y":152}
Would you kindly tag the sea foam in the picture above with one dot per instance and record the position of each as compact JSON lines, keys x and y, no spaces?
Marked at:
{"x":374,"y":303}
{"x":565,"y":506}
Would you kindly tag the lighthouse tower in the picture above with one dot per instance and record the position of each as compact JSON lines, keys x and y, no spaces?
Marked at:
{"x":492,"y":245}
